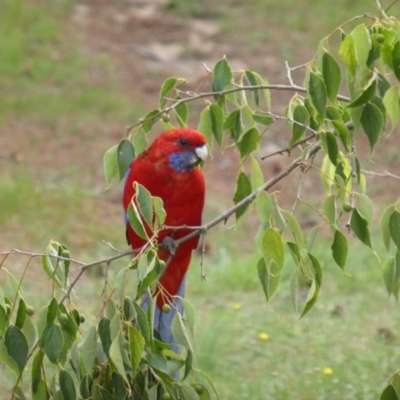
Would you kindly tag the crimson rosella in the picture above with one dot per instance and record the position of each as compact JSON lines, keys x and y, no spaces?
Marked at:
{"x":169,"y":169}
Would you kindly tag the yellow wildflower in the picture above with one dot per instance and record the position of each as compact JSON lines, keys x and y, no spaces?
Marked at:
{"x":263,"y":336}
{"x":236,"y":306}
{"x":327,"y":371}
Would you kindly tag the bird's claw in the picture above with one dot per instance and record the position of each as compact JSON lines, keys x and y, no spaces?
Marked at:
{"x":169,"y":244}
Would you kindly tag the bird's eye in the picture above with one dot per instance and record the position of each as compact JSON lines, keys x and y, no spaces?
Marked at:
{"x":183,"y":142}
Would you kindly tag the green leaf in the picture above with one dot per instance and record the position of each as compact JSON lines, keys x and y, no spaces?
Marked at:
{"x":147,"y":123}
{"x":210,"y":383}
{"x":29,"y":330}
{"x":159,"y":212}
{"x":294,"y":226}
{"x":233,"y":123}
{"x":391,"y":101}
{"x":157,"y":361}
{"x":340,"y":249}
{"x":273,"y":246}
{"x":266,"y":120}
{"x":252,"y":78}
{"x":344,"y":134}
{"x":362,"y":43}
{"x":116,"y":349}
{"x":37,"y":371}
{"x":85,"y":387}
{"x":88,"y":348}
{"x":249,"y":142}
{"x":395,"y":382}
{"x":329,"y":208}
{"x":396,"y":60}
{"x":140,"y":141}
{"x":366,"y":207}
{"x":332,"y":147}
{"x":51,"y":342}
{"x":383,"y":84}
{"x":7,"y":360}
{"x":331,"y":75}
{"x":389,"y":393}
{"x":126,"y":154}
{"x":17,"y":347}
{"x":312,"y":235}
{"x":313,"y":293}
{"x":67,"y":385}
{"x":359,"y":226}
{"x":182,"y":113}
{"x":166,"y":89}
{"x":265,"y":206}
{"x":269,"y":277}
{"x":68,"y":324}
{"x":143,"y":325}
{"x":205,"y":126}
{"x":144,"y":203}
{"x":394,"y":227}
{"x":187,"y":392}
{"x":52,"y":311}
{"x":217,"y":120}
{"x":372,"y":123}
{"x":105,"y":335}
{"x":257,"y":177}
{"x":21,"y":314}
{"x":347,"y":53}
{"x":365,"y":96}
{"x":301,"y":117}
{"x":389,"y":274}
{"x":384,"y":225}
{"x":188,"y":365}
{"x":150,"y":276}
{"x":110,"y":163}
{"x":222,"y":75}
{"x":136,"y":347}
{"x":317,"y":92}
{"x":189,"y":315}
{"x":243,"y":189}
{"x":3,"y":321}
{"x":333,"y":113}
{"x":181,"y":332}
{"x":135,"y":221}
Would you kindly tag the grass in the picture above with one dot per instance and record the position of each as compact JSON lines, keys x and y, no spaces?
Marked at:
{"x":44,"y":77}
{"x":347,"y":331}
{"x":45,"y":81}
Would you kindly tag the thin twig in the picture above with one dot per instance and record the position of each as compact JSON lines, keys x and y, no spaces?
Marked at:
{"x":385,"y":174}
{"x":104,"y":293}
{"x":303,"y":174}
{"x":381,"y":9}
{"x":203,"y":252}
{"x":289,"y":73}
{"x":111,"y":246}
{"x":289,"y":149}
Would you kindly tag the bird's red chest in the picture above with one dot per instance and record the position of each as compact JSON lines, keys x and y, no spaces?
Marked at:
{"x":182,"y":194}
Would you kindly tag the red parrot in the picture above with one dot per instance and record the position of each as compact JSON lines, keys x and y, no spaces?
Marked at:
{"x":169,"y":169}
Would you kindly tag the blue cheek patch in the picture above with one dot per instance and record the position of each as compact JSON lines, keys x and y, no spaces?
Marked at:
{"x":181,"y":161}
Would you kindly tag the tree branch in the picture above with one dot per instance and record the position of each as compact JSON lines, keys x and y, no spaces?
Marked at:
{"x":385,"y":174}
{"x":197,"y":96}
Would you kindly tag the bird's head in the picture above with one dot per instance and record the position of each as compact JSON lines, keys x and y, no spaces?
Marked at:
{"x":184,"y":148}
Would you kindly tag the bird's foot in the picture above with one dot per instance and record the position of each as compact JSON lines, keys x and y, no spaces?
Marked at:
{"x":169,"y":244}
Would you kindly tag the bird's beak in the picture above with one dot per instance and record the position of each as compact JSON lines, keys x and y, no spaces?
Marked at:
{"x":200,"y":155}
